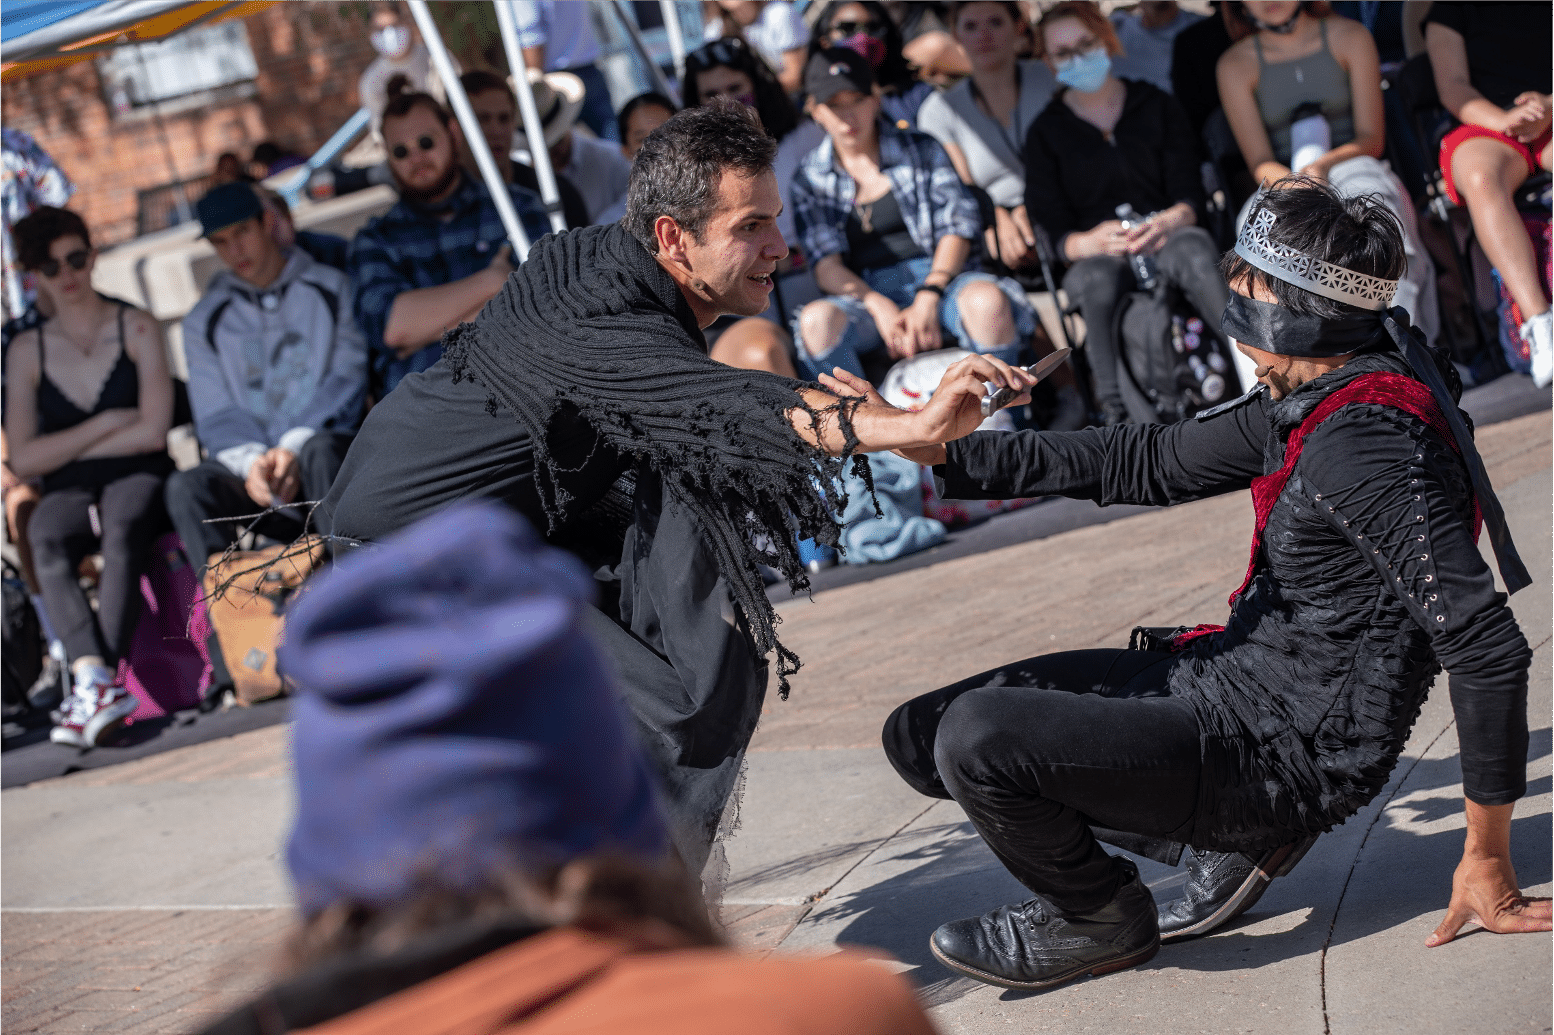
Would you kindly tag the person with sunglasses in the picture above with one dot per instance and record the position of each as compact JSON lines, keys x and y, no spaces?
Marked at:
{"x":434,"y":259}
{"x":869,"y":29}
{"x":88,"y":403}
{"x":1102,"y":142}
{"x":774,"y":29}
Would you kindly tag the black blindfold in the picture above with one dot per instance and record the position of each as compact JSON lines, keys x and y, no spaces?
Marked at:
{"x":1275,"y":329}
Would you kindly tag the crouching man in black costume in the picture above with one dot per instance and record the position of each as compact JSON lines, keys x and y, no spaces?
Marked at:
{"x":583,"y":397}
{"x":1365,"y":580}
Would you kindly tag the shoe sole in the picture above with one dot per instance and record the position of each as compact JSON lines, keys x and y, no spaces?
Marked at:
{"x":1245,"y":896}
{"x":1143,"y":955}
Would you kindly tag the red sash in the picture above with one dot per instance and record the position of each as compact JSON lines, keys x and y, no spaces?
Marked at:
{"x":1395,"y":390}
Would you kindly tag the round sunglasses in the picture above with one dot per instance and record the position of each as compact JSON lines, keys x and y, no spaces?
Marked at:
{"x":424,"y":142}
{"x":50,"y":267}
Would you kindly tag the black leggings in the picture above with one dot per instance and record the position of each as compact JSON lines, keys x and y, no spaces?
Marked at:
{"x":131,"y":516}
{"x":1039,"y":750}
{"x":1189,"y":260}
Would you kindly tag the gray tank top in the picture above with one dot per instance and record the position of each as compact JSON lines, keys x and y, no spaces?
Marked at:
{"x":1283,"y":86}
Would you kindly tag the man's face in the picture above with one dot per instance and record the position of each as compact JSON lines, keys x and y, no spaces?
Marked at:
{"x":494,"y":109}
{"x":1282,"y":374}
{"x":420,"y":154}
{"x":249,"y":250}
{"x":740,"y":245}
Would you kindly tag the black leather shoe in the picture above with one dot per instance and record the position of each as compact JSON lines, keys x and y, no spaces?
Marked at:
{"x":1223,"y":885}
{"x":1032,"y":946}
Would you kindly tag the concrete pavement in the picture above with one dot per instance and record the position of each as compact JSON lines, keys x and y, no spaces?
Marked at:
{"x":150,"y":896}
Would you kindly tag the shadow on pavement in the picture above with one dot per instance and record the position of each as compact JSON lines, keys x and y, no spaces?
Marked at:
{"x":953,"y":875}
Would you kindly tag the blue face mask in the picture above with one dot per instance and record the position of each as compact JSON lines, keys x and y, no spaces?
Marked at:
{"x":1086,"y":72}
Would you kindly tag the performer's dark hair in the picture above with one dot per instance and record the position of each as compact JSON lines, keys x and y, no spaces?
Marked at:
{"x":1358,"y":233}
{"x":36,"y":232}
{"x":677,"y":171}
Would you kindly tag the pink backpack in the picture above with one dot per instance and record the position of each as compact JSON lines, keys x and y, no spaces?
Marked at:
{"x":166,"y":667}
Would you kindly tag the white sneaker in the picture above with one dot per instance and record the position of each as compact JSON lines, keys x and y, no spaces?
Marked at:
{"x":1538,"y":333}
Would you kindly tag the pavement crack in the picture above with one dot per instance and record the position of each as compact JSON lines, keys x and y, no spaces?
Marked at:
{"x":1327,"y":1026}
{"x":809,"y":903}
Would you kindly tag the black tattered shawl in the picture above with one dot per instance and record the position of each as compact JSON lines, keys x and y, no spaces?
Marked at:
{"x":591,"y":319}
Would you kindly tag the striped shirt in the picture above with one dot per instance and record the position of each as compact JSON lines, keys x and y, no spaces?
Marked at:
{"x":934,"y":203}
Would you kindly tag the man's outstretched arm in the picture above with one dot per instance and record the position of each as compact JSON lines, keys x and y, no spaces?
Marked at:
{"x":954,"y":412}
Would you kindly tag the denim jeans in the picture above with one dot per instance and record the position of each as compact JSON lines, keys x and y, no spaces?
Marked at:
{"x":899,"y":283}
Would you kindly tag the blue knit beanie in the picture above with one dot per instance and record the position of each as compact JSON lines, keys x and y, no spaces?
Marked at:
{"x":451,"y":717}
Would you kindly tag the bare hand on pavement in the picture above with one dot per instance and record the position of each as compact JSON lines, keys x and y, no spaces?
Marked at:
{"x":1484,"y":890}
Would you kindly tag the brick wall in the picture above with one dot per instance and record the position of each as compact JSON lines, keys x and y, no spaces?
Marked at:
{"x":309,"y":55}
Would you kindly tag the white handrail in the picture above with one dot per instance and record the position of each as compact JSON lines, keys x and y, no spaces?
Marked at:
{"x":533,"y":130}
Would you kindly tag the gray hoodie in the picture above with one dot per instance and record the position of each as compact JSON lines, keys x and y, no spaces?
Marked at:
{"x":272,"y":367}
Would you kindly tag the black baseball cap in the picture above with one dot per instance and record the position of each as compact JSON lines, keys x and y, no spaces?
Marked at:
{"x":227,"y":205}
{"x":836,"y":69}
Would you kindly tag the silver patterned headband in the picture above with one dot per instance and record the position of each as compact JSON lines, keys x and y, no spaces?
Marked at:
{"x":1317,"y":275}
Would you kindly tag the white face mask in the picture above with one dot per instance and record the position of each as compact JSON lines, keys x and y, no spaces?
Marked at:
{"x":391,"y":40}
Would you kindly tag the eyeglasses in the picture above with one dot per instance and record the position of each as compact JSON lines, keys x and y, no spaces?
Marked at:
{"x":1079,"y":49}
{"x":424,"y":142}
{"x":731,"y":52}
{"x":50,"y":267}
{"x":843,"y":30}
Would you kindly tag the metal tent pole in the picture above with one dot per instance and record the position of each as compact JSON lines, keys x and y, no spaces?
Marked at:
{"x":533,"y":129}
{"x":471,"y":126}
{"x":634,"y":37}
{"x":671,"y":13}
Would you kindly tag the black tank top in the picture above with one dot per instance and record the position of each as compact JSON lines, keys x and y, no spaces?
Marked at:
{"x":877,"y":235}
{"x":56,"y":412}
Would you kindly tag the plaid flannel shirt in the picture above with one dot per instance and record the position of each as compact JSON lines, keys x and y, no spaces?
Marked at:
{"x":409,"y":247}
{"x":934,"y":203}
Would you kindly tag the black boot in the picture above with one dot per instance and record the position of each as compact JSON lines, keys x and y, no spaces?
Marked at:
{"x":1033,"y":946}
{"x":1223,"y":885}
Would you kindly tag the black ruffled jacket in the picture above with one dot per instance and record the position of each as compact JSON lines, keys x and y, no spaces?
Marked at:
{"x":1368,"y":582}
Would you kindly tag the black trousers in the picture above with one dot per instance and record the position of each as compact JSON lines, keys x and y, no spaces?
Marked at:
{"x":1039,"y":751}
{"x":210,"y":492}
{"x":1189,"y":260}
{"x":130,"y":516}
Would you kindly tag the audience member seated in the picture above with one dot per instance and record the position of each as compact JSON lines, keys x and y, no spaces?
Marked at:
{"x":595,"y":167}
{"x":434,"y":259}
{"x":497,"y":111}
{"x":1300,"y":57}
{"x":1491,"y":64}
{"x":640,"y":116}
{"x":329,"y":249}
{"x":558,"y":36}
{"x":890,"y":232}
{"x":277,"y":382}
{"x":400,"y":53}
{"x":479,"y":844}
{"x":774,"y":29}
{"x":927,"y":42}
{"x":868,"y":29}
{"x":1103,"y":142}
{"x":88,"y":403}
{"x":272,"y":158}
{"x":230,"y":168}
{"x":981,"y":121}
{"x":1195,"y":50}
{"x":1147,"y":34}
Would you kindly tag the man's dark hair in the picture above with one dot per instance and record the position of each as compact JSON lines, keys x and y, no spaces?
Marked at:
{"x":35,"y":233}
{"x":677,"y":171}
{"x":482,"y":79}
{"x":403,"y":98}
{"x":1358,"y":233}
{"x":651,"y":99}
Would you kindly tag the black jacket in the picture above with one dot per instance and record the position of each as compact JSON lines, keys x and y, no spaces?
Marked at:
{"x":1368,"y":582}
{"x":1075,"y":177}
